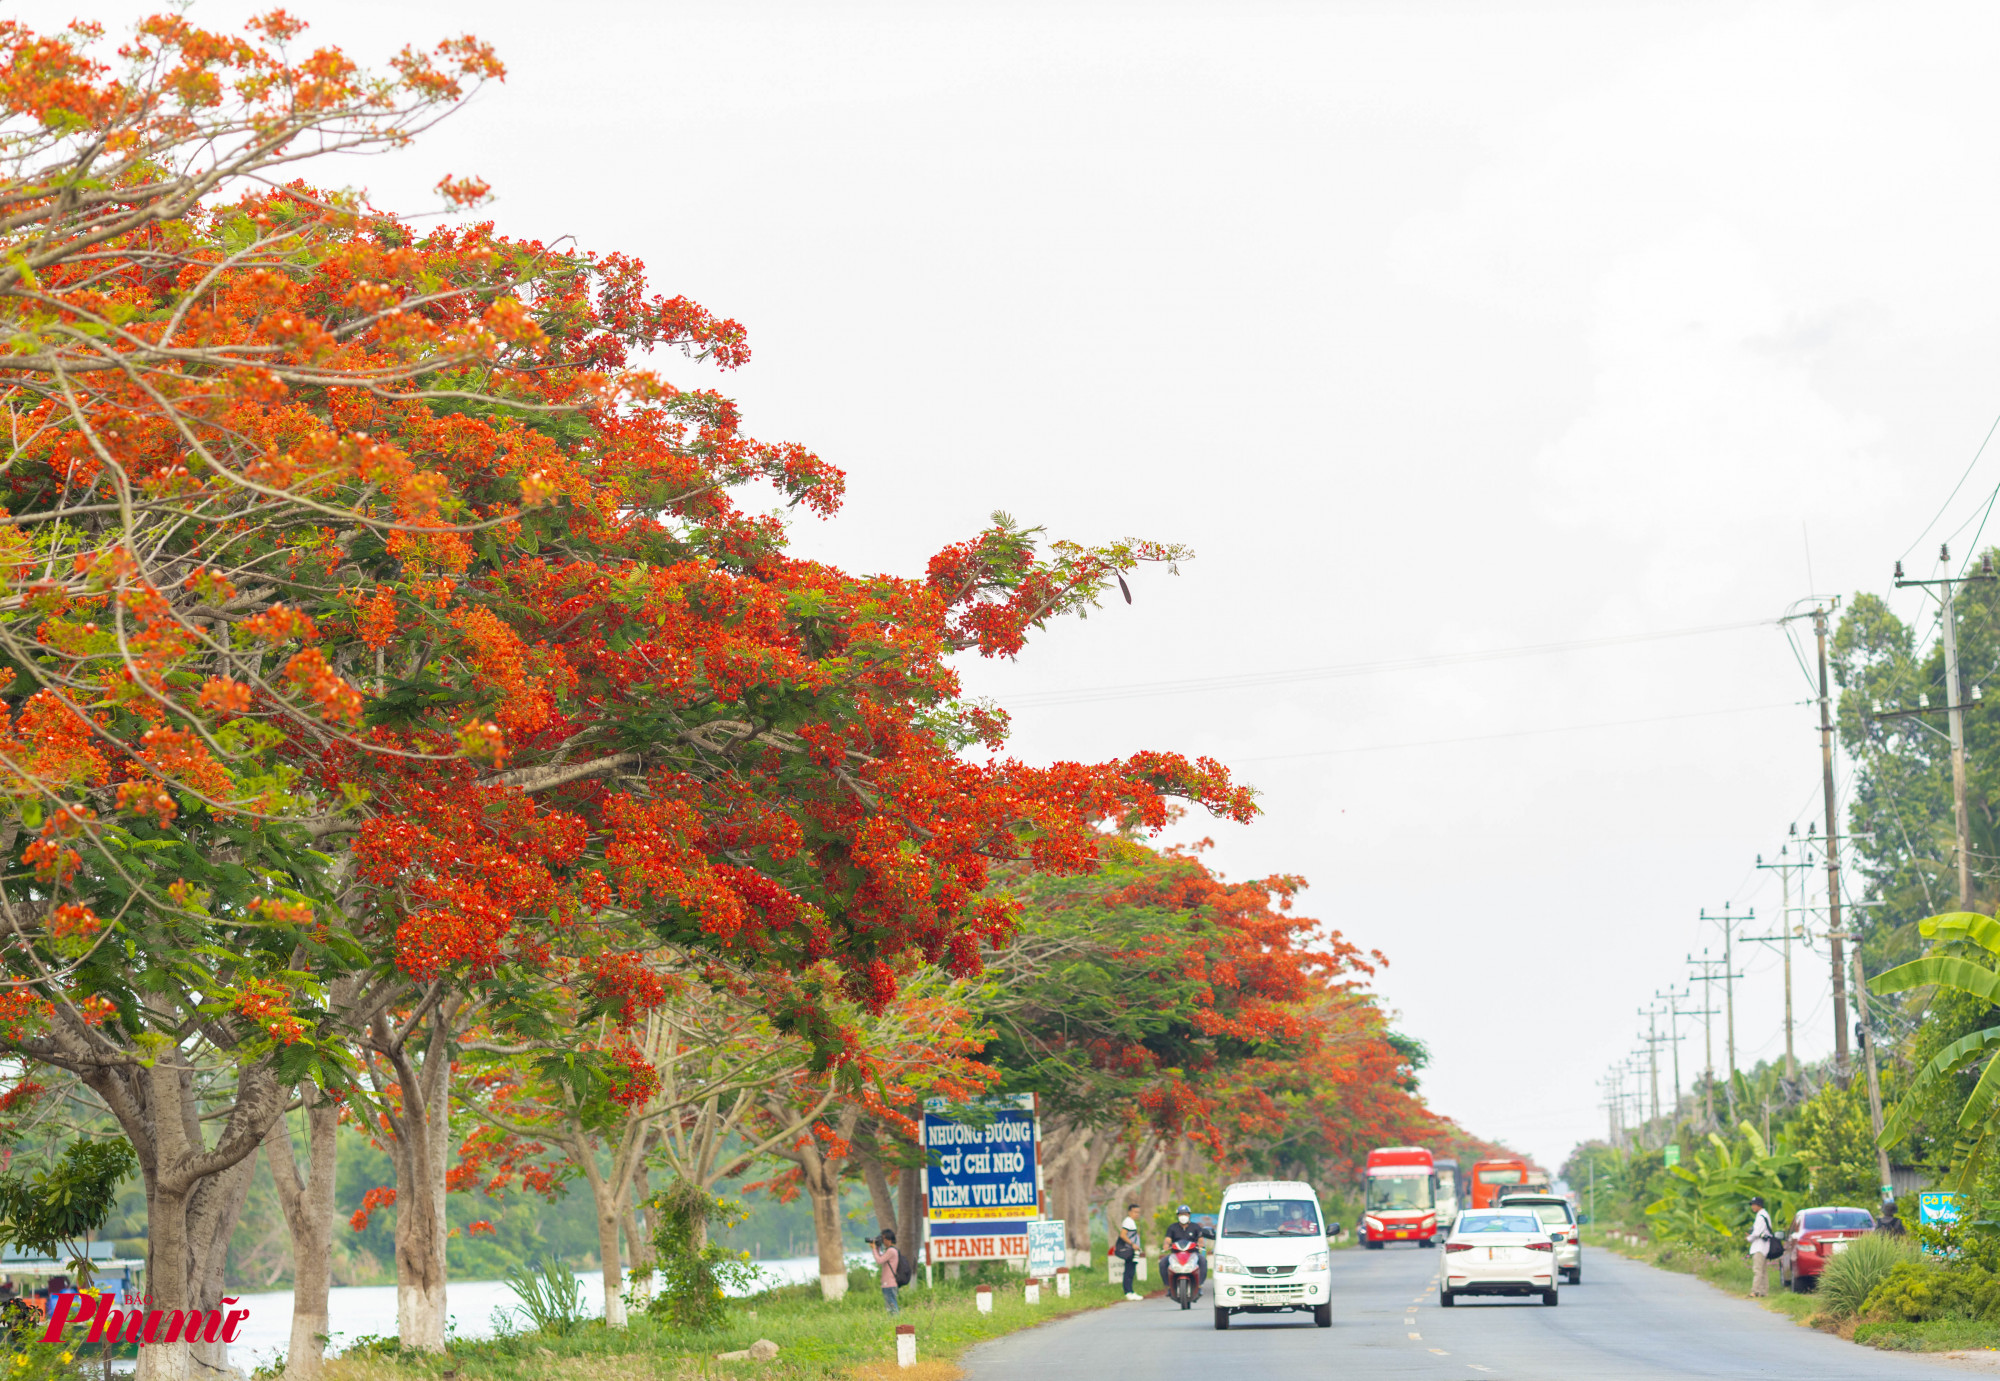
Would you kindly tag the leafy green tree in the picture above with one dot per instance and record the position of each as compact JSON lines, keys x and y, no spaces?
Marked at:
{"x":1708,"y":1198}
{"x":1836,"y":1145}
{"x":1964,"y":957}
{"x":1901,"y":820}
{"x":56,"y":1210}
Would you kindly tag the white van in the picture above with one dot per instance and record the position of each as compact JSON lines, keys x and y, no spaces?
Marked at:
{"x":1270,"y":1252}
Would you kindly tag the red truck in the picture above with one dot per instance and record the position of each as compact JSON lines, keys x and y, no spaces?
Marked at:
{"x":1401,"y":1204}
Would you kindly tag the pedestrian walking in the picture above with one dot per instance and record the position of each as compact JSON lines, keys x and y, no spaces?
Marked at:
{"x":1762,"y":1238}
{"x":888,"y":1258}
{"x":1128,"y":1247}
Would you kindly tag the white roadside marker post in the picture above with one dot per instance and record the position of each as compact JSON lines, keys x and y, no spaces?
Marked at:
{"x":906,"y":1345}
{"x":1062,"y":1282}
{"x":1031,"y":1293}
{"x":984,"y":1296}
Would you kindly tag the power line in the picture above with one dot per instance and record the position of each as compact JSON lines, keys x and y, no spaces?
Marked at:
{"x":1519,"y":733}
{"x":1136,"y":689}
{"x":1954,"y":492}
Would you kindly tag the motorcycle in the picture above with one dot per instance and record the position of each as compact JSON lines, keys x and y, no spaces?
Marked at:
{"x":1183,"y":1272}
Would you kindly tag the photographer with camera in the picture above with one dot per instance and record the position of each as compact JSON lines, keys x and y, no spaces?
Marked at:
{"x":890,"y":1260}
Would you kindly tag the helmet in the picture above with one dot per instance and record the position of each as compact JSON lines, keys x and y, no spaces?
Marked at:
{"x":1184,"y":1209}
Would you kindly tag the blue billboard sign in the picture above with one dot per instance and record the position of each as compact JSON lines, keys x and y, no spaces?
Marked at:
{"x":982,"y":1170}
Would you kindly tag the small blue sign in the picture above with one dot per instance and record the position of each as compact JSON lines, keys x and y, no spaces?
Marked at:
{"x":1048,"y":1247}
{"x":1937,"y":1209}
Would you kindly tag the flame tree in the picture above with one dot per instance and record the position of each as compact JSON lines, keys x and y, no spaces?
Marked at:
{"x":374,"y":625}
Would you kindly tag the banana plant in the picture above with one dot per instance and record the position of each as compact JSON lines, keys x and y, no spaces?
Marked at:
{"x":1964,"y":955}
{"x":1710,"y":1198}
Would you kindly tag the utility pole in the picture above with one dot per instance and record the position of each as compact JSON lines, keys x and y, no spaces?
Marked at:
{"x":1818,"y":617}
{"x":1708,"y":1015}
{"x":1674,"y":1015}
{"x":1784,"y":867}
{"x":1729,"y":974}
{"x":1867,"y":1042}
{"x":1653,"y":1038}
{"x":1945,"y":591}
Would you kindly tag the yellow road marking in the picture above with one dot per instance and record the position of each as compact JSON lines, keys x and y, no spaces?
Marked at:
{"x":1416,"y":1337}
{"x":1440,"y":1352}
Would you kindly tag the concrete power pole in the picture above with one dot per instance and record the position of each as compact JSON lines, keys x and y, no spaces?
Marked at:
{"x":1945,"y":591}
{"x":1674,"y":1015}
{"x":1708,"y":1014}
{"x":1839,"y":959}
{"x":1652,"y":1015}
{"x":1729,"y":977}
{"x":1784,"y":867}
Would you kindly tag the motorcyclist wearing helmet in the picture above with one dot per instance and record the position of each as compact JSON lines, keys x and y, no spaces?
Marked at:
{"x":1184,"y":1232}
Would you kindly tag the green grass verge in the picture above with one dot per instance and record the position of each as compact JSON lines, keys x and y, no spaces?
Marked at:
{"x":1730,"y":1274}
{"x":815,"y":1338}
{"x":1939,"y":1335}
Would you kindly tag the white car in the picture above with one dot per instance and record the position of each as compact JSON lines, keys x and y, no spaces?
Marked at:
{"x":1564,"y":1231}
{"x":1499,"y":1251}
{"x":1270,"y":1253}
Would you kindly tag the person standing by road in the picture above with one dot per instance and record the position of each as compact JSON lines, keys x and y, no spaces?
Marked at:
{"x":1129,"y":1247}
{"x":888,"y":1258}
{"x":1761,"y":1236}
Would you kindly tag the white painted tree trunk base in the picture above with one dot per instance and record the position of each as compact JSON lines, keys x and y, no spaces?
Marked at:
{"x":305,"y":1358}
{"x":832,"y":1287}
{"x":420,"y":1317}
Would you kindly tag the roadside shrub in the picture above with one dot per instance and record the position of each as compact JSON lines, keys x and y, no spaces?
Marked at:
{"x":1852,"y":1276}
{"x":695,"y":1274}
{"x":551,"y":1296}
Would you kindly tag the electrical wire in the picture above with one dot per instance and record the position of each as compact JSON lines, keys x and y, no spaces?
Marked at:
{"x":1954,"y":491}
{"x":1516,"y":733}
{"x":1139,"y":689}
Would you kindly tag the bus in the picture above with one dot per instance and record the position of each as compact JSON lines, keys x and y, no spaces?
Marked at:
{"x":1401,"y":1204}
{"x":1491,"y":1178}
{"x":1447,"y":1192}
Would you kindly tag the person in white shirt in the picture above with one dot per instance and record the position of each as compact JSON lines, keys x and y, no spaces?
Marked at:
{"x":1128,"y":1238}
{"x":1762,"y":1234}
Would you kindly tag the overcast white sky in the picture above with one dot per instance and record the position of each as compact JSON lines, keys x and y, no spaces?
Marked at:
{"x":1433,"y":328}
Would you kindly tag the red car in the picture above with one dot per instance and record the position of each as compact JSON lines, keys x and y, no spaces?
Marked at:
{"x":1817,"y":1235}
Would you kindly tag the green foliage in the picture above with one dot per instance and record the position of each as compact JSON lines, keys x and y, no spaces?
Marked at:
{"x":1964,"y":956}
{"x":1919,"y":1290}
{"x":1836,"y":1146}
{"x":551,"y":1296}
{"x":1707,"y":1203}
{"x":57,"y":1208}
{"x":1866,"y":1263}
{"x":694,"y":1272}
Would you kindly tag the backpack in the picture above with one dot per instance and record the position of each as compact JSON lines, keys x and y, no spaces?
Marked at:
{"x":906,"y":1268}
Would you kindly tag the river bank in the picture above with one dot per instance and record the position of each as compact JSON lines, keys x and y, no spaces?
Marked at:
{"x":476,"y":1309}
{"x":816,"y":1338}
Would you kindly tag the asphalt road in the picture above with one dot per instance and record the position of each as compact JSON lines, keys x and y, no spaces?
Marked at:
{"x":1624,"y":1320}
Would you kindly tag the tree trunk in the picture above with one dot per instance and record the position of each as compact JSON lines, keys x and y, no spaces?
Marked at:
{"x":910,"y":1209}
{"x":420,"y":1142}
{"x":639,"y":1237}
{"x":308,"y":1209}
{"x":821,"y":1178}
{"x":878,"y":1193}
{"x":194,"y":1194}
{"x":167,"y":1279}
{"x":608,"y":1206}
